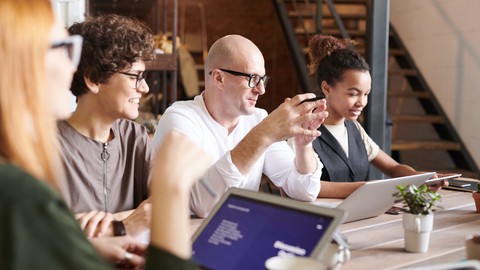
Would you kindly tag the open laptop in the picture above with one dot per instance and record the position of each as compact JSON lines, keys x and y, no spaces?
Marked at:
{"x":377,"y":196}
{"x":245,"y":228}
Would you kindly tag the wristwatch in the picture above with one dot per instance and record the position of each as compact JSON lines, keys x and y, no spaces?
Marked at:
{"x":119,"y":228}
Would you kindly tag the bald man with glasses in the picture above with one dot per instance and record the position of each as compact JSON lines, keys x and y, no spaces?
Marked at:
{"x":243,"y":140}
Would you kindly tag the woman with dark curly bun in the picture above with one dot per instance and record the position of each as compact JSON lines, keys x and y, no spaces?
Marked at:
{"x":107,"y":156}
{"x":344,"y":147}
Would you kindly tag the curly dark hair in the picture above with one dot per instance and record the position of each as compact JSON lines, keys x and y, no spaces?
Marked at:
{"x":330,"y":58}
{"x":111,"y":43}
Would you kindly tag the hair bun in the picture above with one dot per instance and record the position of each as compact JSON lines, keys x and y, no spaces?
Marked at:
{"x":321,"y":46}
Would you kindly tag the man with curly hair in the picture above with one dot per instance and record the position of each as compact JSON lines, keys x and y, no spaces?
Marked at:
{"x":106,"y":155}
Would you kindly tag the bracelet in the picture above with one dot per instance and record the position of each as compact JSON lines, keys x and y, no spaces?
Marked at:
{"x":119,"y":228}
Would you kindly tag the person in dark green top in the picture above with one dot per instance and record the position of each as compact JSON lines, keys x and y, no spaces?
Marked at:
{"x":37,"y":230}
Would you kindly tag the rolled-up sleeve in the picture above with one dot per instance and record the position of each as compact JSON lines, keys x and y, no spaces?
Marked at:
{"x":281,"y":170}
{"x":222,"y":175}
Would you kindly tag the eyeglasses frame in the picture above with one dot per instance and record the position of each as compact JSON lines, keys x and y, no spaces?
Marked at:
{"x":75,"y":42}
{"x":263,"y":78}
{"x":139,"y":77}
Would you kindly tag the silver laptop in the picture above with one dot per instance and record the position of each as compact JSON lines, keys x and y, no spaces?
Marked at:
{"x":245,"y":228}
{"x":377,"y":196}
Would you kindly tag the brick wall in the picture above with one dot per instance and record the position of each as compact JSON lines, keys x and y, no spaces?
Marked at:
{"x":254,"y":19}
{"x":257,"y":21}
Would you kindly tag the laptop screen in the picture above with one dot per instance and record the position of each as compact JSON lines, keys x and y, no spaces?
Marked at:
{"x":244,"y":232}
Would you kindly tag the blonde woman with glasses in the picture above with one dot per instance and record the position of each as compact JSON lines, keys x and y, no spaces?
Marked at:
{"x":38,"y":231}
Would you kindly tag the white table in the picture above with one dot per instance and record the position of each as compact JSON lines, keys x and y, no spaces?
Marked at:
{"x":377,"y":243}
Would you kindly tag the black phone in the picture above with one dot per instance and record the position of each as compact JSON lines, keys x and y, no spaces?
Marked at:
{"x":394,"y":210}
{"x":459,"y":183}
{"x":462,"y":185}
{"x":312,"y":99}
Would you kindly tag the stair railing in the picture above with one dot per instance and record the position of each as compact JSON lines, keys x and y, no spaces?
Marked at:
{"x":293,"y":45}
{"x":338,"y":20}
{"x":301,"y":20}
{"x":296,"y":52}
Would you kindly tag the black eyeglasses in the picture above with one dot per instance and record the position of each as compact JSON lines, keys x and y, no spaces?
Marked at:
{"x":253,"y":79}
{"x":139,"y":77}
{"x":73,"y":46}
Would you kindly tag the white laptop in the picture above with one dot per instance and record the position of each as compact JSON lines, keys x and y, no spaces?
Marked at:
{"x":245,"y":228}
{"x":377,"y":196}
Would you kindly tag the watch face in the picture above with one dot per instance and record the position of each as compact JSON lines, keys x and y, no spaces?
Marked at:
{"x":118,"y":228}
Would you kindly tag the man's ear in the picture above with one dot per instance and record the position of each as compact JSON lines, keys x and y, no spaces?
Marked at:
{"x":93,"y":87}
{"x":217,"y":78}
{"x":326,"y":90}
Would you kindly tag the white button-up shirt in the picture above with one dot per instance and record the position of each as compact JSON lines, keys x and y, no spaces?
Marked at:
{"x":277,"y":163}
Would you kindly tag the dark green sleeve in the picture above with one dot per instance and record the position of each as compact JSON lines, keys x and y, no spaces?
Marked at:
{"x":160,"y":259}
{"x":38,"y":231}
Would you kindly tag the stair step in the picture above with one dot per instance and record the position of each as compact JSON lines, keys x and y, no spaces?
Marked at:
{"x":311,"y":15}
{"x":432,"y":119}
{"x":402,"y":145}
{"x":194,"y":50}
{"x":405,"y":72}
{"x":408,"y":94}
{"x":350,"y":2}
{"x":352,"y":33}
{"x":363,"y":2}
{"x":201,"y":83}
{"x":358,"y":48}
{"x":396,"y":52}
{"x":332,"y":32}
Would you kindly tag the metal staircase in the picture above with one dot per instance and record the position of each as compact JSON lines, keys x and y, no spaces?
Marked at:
{"x":422,"y":134}
{"x":421,"y":130}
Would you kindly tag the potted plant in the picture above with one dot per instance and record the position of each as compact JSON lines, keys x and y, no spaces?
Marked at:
{"x":476,"y":197}
{"x":418,"y":218}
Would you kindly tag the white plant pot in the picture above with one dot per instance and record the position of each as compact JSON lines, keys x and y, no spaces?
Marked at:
{"x":417,"y":230}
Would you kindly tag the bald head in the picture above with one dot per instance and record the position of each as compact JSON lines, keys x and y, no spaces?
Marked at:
{"x":230,"y":64}
{"x":232,"y":51}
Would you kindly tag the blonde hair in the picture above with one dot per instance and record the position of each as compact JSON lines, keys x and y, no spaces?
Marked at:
{"x":27,"y":127}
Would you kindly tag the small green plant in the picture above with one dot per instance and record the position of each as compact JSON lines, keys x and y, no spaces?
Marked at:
{"x":419,"y":200}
